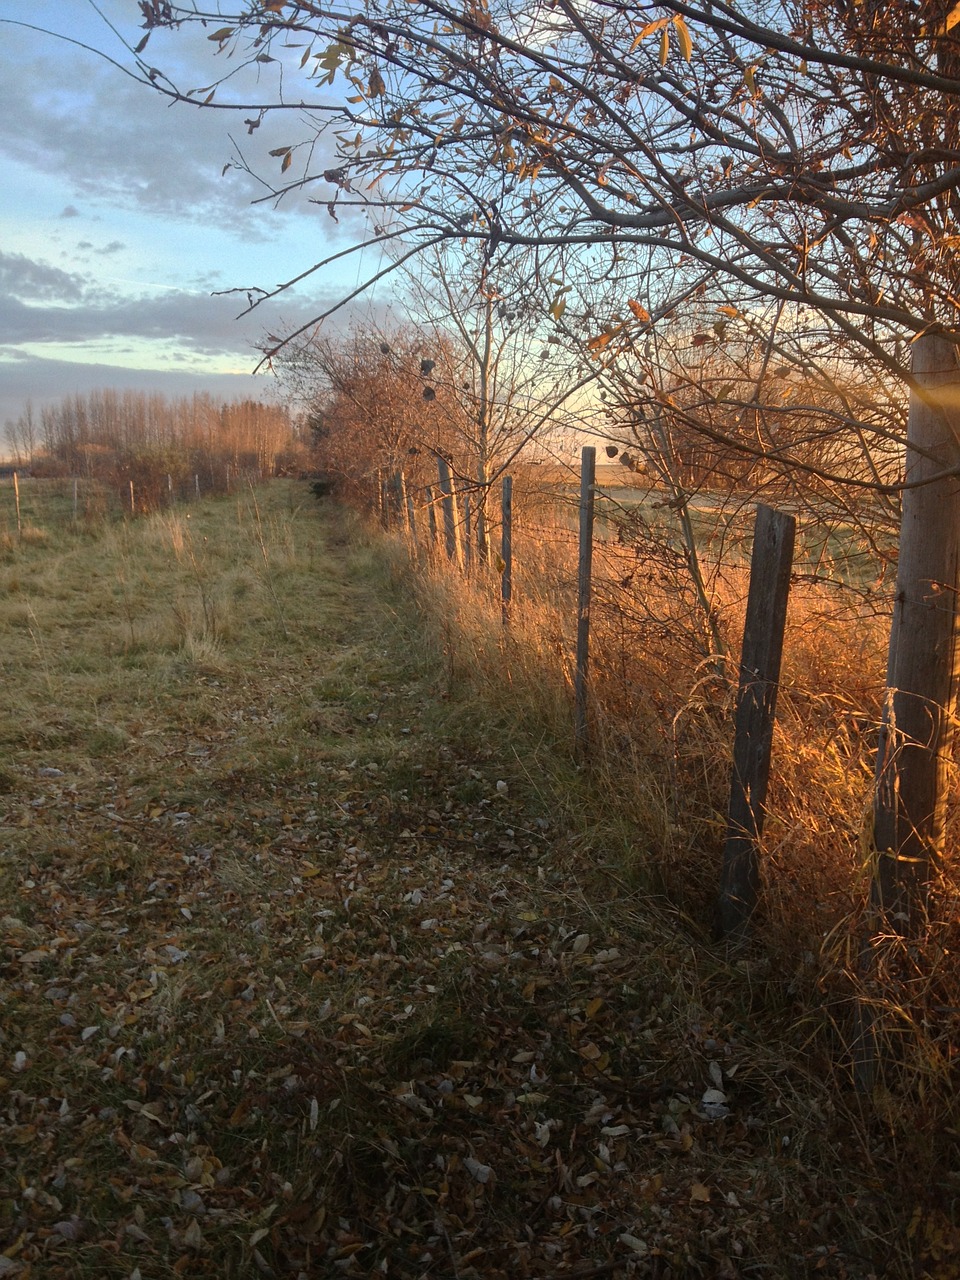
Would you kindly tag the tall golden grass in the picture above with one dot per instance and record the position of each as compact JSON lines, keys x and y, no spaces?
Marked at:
{"x":653,"y":794}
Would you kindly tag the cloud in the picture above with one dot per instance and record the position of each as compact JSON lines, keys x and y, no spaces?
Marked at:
{"x":23,"y":278}
{"x":40,"y":381}
{"x":41,"y":304}
{"x":116,"y":141}
{"x":160,"y":229}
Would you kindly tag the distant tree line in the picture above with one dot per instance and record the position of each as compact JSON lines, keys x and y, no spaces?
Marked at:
{"x":160,"y":444}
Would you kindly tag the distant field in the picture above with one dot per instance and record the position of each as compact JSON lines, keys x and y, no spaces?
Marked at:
{"x":828,"y":549}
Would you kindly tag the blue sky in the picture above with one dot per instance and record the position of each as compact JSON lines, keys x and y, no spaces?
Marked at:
{"x":117,"y":226}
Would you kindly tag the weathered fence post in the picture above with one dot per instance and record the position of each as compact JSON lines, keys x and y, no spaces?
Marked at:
{"x":75,"y":488}
{"x":16,"y":499}
{"x":922,"y":662}
{"x":412,"y":522}
{"x":770,"y":564}
{"x":483,"y":549}
{"x":133,"y":505}
{"x":451,"y":541}
{"x":588,"y":477}
{"x":917,"y":732}
{"x":400,"y":494}
{"x":506,"y":549}
{"x":467,"y":534}
{"x":431,"y":517}
{"x":196,"y":485}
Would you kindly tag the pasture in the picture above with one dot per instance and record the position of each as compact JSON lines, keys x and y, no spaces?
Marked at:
{"x":319,"y":957}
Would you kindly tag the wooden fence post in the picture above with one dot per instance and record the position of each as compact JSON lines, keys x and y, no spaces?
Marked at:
{"x":400,"y":495}
{"x":467,"y":534}
{"x":133,"y":505}
{"x":16,"y":499}
{"x":922,"y":661}
{"x":588,"y":476}
{"x":412,"y":521}
{"x":506,"y":549}
{"x":196,"y":485}
{"x":431,"y":517}
{"x":450,"y":538}
{"x":75,"y":488}
{"x":773,"y":539}
{"x":483,"y":550}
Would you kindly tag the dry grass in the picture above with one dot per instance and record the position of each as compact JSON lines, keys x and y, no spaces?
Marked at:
{"x":321,"y":956}
{"x":650,"y":810}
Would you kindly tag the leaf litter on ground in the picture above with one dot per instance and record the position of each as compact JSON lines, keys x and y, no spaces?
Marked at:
{"x":300,"y":980}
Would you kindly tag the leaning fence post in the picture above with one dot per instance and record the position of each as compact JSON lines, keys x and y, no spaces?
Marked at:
{"x":506,"y":549}
{"x":770,"y":564}
{"x":449,"y":510}
{"x":588,"y":475}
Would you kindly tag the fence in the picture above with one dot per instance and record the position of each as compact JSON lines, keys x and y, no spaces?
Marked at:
{"x":916,"y":763}
{"x":73,"y":501}
{"x":445,"y":537}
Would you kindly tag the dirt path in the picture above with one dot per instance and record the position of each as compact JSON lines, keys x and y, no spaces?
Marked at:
{"x":299,"y":979}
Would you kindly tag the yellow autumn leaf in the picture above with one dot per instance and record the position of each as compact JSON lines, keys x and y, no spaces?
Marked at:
{"x":683,"y":35}
{"x":648,"y":30}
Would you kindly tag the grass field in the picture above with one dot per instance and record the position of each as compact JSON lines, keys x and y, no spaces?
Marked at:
{"x":320,"y":958}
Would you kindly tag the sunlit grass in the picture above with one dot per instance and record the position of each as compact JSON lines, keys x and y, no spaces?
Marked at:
{"x":306,"y":908}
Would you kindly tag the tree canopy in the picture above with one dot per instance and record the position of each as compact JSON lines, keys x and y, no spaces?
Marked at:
{"x":804,"y":152}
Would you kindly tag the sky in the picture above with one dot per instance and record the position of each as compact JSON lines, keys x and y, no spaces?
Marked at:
{"x":118,"y":227}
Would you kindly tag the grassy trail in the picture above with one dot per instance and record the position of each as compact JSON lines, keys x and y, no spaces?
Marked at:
{"x":304,"y":974}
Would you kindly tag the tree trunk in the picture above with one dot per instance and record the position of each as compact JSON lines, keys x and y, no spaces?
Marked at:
{"x":922,"y":665}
